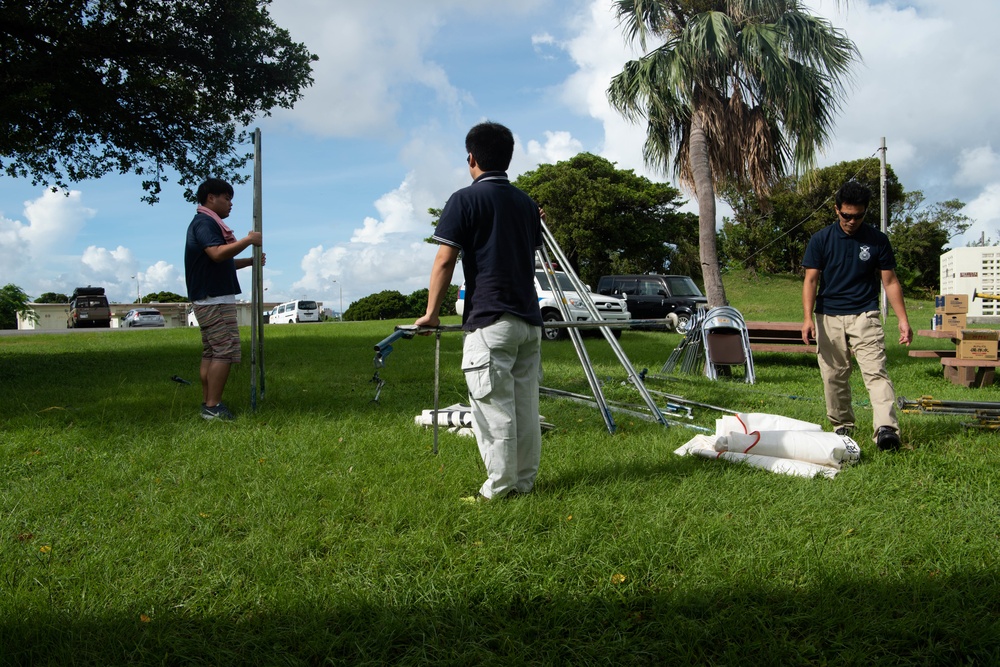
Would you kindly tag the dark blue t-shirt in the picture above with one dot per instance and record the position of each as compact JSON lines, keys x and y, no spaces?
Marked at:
{"x":205,"y":277}
{"x":851,"y":268}
{"x":498,"y":229}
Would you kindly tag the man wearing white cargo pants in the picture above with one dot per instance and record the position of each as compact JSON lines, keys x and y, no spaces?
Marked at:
{"x":501,"y":366}
{"x":496,"y":229}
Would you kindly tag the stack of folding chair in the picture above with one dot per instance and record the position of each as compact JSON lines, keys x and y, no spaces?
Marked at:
{"x":726,"y":342}
{"x":688,"y":351}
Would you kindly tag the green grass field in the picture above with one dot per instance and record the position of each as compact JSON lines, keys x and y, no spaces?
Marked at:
{"x":322,"y":530}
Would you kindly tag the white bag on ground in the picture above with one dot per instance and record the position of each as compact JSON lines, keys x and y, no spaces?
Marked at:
{"x":812,"y":446}
{"x":704,"y":446}
{"x":748,"y":422}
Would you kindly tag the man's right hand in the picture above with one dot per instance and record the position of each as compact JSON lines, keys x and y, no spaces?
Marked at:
{"x":428,"y":321}
{"x":808,"y":331}
{"x":255,"y":238}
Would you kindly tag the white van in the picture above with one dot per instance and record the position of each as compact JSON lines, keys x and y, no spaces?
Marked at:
{"x":294,"y":312}
{"x":611,"y":308}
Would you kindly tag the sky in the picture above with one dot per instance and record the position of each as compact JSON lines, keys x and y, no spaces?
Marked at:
{"x":349,"y":173}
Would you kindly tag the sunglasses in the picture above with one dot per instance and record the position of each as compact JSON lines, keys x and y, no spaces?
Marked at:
{"x":468,"y":160}
{"x":852,"y":216}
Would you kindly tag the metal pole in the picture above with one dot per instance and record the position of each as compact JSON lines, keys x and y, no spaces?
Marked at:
{"x":437,"y":384}
{"x":883,"y":200}
{"x":584,"y":295}
{"x":257,"y":286}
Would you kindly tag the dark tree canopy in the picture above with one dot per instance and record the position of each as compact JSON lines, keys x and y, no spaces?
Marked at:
{"x":385,"y":305}
{"x":769,"y":233}
{"x":13,"y":300}
{"x":92,"y":87}
{"x":163,"y":297}
{"x":52,"y":297}
{"x":609,"y":220}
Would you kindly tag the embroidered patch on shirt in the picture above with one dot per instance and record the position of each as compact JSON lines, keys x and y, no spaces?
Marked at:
{"x":865,"y":254}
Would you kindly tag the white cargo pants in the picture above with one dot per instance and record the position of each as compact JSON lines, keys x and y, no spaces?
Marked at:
{"x":502,"y":366}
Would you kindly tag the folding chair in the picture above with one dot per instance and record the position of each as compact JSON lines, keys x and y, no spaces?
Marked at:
{"x":726,"y":342}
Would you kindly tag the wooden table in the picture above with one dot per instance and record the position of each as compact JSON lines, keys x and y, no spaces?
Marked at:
{"x":778,"y":337}
{"x":964,"y":372}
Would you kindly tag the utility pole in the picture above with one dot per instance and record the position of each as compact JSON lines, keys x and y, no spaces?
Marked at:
{"x":885,"y":213}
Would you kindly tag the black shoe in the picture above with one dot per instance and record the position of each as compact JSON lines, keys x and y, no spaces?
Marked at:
{"x":887,"y":438}
{"x":217,"y":412}
{"x":845,"y":431}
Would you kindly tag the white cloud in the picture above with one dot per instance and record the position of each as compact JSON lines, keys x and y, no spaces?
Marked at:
{"x":985,"y":210}
{"x":368,"y":53}
{"x":558,"y":146}
{"x":978,"y":166}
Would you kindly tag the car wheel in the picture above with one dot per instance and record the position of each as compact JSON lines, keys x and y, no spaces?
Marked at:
{"x":683,"y":323}
{"x":552,"y":334}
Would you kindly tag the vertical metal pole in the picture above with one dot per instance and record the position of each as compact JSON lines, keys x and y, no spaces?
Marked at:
{"x":883,"y":200}
{"x":257,"y":284}
{"x":437,"y":384}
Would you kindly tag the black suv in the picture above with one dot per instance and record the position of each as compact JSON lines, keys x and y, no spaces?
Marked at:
{"x":655,"y":297}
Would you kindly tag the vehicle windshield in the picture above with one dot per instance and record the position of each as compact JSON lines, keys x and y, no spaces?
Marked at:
{"x":307,"y":305}
{"x":683,"y":286}
{"x":561,"y":278}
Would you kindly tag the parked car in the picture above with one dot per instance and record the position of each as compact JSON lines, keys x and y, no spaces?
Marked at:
{"x":295,"y":311}
{"x":88,"y":307}
{"x":143,"y":317}
{"x":611,"y":308}
{"x":656,"y":297}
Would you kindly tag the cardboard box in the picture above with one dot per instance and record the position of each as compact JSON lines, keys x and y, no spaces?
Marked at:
{"x":951,"y":304}
{"x":950,"y":322}
{"x":984,"y":350}
{"x":978,"y":334}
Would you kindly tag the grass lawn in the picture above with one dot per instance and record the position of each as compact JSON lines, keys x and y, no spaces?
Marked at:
{"x":322,"y":530}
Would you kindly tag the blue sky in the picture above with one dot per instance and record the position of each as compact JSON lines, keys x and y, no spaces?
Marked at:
{"x":349,"y":173}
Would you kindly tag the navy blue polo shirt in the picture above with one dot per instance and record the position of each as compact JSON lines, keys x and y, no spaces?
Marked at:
{"x":205,"y":277}
{"x":851,"y":268}
{"x":498,"y":229}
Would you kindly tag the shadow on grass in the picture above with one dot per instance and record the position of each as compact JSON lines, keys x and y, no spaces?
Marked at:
{"x":830,"y":619}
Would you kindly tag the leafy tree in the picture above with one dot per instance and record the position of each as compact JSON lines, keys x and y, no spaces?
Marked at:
{"x":608,"y":220}
{"x":13,"y":301}
{"x":737,"y":92}
{"x":769,"y":233}
{"x":386,"y":305}
{"x":417,"y":302}
{"x":919,"y":236}
{"x":163,"y":297}
{"x":52,"y":297}
{"x":91,"y":88}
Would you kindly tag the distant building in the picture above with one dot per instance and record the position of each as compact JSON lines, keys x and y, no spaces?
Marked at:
{"x":973,"y":271}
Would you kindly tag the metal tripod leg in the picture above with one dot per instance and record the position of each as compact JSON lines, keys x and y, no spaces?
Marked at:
{"x":581,"y":351}
{"x":257,"y":287}
{"x":584,"y":295}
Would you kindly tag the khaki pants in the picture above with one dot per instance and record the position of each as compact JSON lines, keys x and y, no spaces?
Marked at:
{"x":837,"y":336}
{"x":502,"y":365}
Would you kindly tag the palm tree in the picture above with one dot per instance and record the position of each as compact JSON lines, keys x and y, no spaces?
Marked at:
{"x":737,"y":91}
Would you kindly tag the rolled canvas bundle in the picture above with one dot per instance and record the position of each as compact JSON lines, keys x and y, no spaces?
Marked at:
{"x":776,"y":443}
{"x":813,"y":446}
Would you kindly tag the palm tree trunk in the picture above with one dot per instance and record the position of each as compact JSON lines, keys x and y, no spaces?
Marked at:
{"x":704,"y":183}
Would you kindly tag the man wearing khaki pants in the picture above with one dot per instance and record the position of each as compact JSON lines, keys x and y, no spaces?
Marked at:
{"x":848,"y":260}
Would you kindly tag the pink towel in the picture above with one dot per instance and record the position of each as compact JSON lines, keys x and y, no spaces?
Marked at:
{"x":227,"y":233}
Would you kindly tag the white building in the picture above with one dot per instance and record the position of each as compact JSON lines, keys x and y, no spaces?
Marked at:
{"x":973,"y":271}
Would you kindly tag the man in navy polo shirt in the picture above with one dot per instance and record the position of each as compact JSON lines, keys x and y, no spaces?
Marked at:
{"x":496,"y":229}
{"x":848,"y":260}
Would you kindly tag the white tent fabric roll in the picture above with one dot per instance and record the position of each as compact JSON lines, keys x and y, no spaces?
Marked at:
{"x":748,"y":422}
{"x":704,"y":446}
{"x":812,"y":446}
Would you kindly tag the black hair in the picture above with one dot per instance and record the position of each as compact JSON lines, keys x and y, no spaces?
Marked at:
{"x":492,"y":145}
{"x":213,"y":186}
{"x":853,"y":193}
